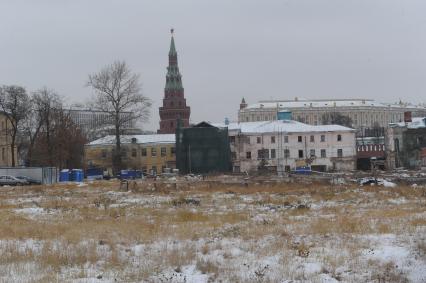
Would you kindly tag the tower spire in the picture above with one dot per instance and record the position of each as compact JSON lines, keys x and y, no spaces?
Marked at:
{"x":174,"y":103}
{"x":172,"y":51}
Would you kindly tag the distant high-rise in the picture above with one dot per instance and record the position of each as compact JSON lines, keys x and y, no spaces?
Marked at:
{"x":174,"y":102}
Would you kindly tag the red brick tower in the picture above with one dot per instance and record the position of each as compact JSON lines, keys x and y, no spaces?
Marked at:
{"x":174,"y":103}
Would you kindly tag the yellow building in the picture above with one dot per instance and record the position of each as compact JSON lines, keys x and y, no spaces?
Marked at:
{"x":149,"y":153}
{"x":5,"y":140}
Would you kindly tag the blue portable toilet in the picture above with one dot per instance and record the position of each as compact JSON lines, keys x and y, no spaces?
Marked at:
{"x":64,"y":175}
{"x":77,"y":175}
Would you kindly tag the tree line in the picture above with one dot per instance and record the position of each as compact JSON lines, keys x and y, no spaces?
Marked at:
{"x":40,"y":130}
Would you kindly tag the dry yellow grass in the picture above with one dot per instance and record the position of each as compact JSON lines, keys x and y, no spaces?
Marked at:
{"x":74,"y":223}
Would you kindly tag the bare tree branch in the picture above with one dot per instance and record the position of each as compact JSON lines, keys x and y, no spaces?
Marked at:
{"x":118,"y":93}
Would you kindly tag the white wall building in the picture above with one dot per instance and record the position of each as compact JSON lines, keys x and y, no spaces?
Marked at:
{"x":286,"y":144}
{"x":365,"y":113}
{"x":96,"y":123}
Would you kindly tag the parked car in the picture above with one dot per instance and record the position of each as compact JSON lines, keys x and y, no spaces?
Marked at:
{"x":11,"y":181}
{"x":30,"y":181}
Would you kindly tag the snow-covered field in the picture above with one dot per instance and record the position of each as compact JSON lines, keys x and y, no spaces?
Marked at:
{"x":212,"y":233}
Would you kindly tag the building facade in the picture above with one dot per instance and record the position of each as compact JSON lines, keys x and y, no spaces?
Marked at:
{"x":174,"y":102}
{"x":149,"y":153}
{"x":95,"y":124}
{"x":285,"y":145}
{"x":5,"y":142}
{"x":364,"y":113}
{"x":405,"y":144}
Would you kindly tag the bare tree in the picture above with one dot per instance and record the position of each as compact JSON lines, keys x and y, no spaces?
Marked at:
{"x":15,"y":104}
{"x":118,"y":90}
{"x":46,"y":104}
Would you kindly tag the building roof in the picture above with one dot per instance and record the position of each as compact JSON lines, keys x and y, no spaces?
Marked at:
{"x":416,"y":123}
{"x":140,"y":139}
{"x":284,"y":126}
{"x":317,"y":103}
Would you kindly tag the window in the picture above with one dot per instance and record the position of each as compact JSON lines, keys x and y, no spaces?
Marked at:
{"x":258,"y":140}
{"x":163,"y":169}
{"x":266,"y":153}
{"x":153,"y":152}
{"x":143,"y":151}
{"x":248,"y":154}
{"x":312,"y":152}
{"x":273,"y":154}
{"x":233,"y":155}
{"x":154,"y":170}
{"x":163,"y":151}
{"x":286,"y":153}
{"x":273,"y":139}
{"x":263,"y":154}
{"x":323,"y":153}
{"x":339,"y":137}
{"x":300,"y":153}
{"x":134,"y":152}
{"x":285,"y":139}
{"x":232,"y":139}
{"x":312,"y":139}
{"x":322,"y":138}
{"x":339,"y":152}
{"x":299,"y":138}
{"x":104,"y":153}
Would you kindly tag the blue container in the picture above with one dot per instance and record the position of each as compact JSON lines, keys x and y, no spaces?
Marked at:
{"x":130,"y":174}
{"x":95,"y":173}
{"x":305,"y":170}
{"x":64,"y":175}
{"x":77,"y":175}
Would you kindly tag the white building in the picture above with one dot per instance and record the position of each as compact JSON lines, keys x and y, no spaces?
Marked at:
{"x":405,"y":144}
{"x":365,"y":113}
{"x":284,"y":145}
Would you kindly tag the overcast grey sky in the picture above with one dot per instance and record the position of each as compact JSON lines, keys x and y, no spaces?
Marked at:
{"x":227,"y":48}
